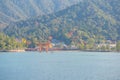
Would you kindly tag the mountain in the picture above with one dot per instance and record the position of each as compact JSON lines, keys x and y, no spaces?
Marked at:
{"x":15,"y":10}
{"x":98,"y":19}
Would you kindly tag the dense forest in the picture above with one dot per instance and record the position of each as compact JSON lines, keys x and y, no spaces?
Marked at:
{"x":88,"y":19}
{"x":84,"y":24}
{"x":15,"y":10}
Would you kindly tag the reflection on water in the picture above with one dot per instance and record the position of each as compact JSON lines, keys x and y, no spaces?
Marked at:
{"x":60,"y":66}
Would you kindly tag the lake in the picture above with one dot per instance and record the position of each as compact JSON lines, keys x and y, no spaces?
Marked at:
{"x":60,"y":65}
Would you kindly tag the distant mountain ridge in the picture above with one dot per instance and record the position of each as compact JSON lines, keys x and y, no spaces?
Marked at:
{"x":88,"y":19}
{"x":15,"y":10}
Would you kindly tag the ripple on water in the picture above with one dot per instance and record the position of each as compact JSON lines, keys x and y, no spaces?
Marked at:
{"x":60,"y":66}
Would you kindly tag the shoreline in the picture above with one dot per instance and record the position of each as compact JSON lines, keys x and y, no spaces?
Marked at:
{"x":30,"y":50}
{"x":19,"y":50}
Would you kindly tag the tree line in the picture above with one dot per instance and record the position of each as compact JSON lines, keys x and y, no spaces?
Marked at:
{"x":10,"y":43}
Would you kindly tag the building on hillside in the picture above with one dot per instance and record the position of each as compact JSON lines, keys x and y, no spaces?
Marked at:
{"x":111,"y":44}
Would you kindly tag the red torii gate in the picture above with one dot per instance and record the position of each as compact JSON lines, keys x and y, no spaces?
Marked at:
{"x":44,"y":45}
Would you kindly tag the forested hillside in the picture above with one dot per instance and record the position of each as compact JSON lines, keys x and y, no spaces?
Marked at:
{"x":89,"y":20}
{"x":15,"y":10}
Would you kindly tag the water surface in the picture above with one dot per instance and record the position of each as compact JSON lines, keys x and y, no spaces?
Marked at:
{"x":63,"y":65}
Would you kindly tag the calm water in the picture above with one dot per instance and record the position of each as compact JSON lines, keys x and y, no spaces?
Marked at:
{"x":60,"y":66}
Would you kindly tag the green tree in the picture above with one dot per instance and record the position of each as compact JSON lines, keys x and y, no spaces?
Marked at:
{"x":81,"y":46}
{"x":9,"y":43}
{"x":90,"y":43}
{"x":118,"y":46}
